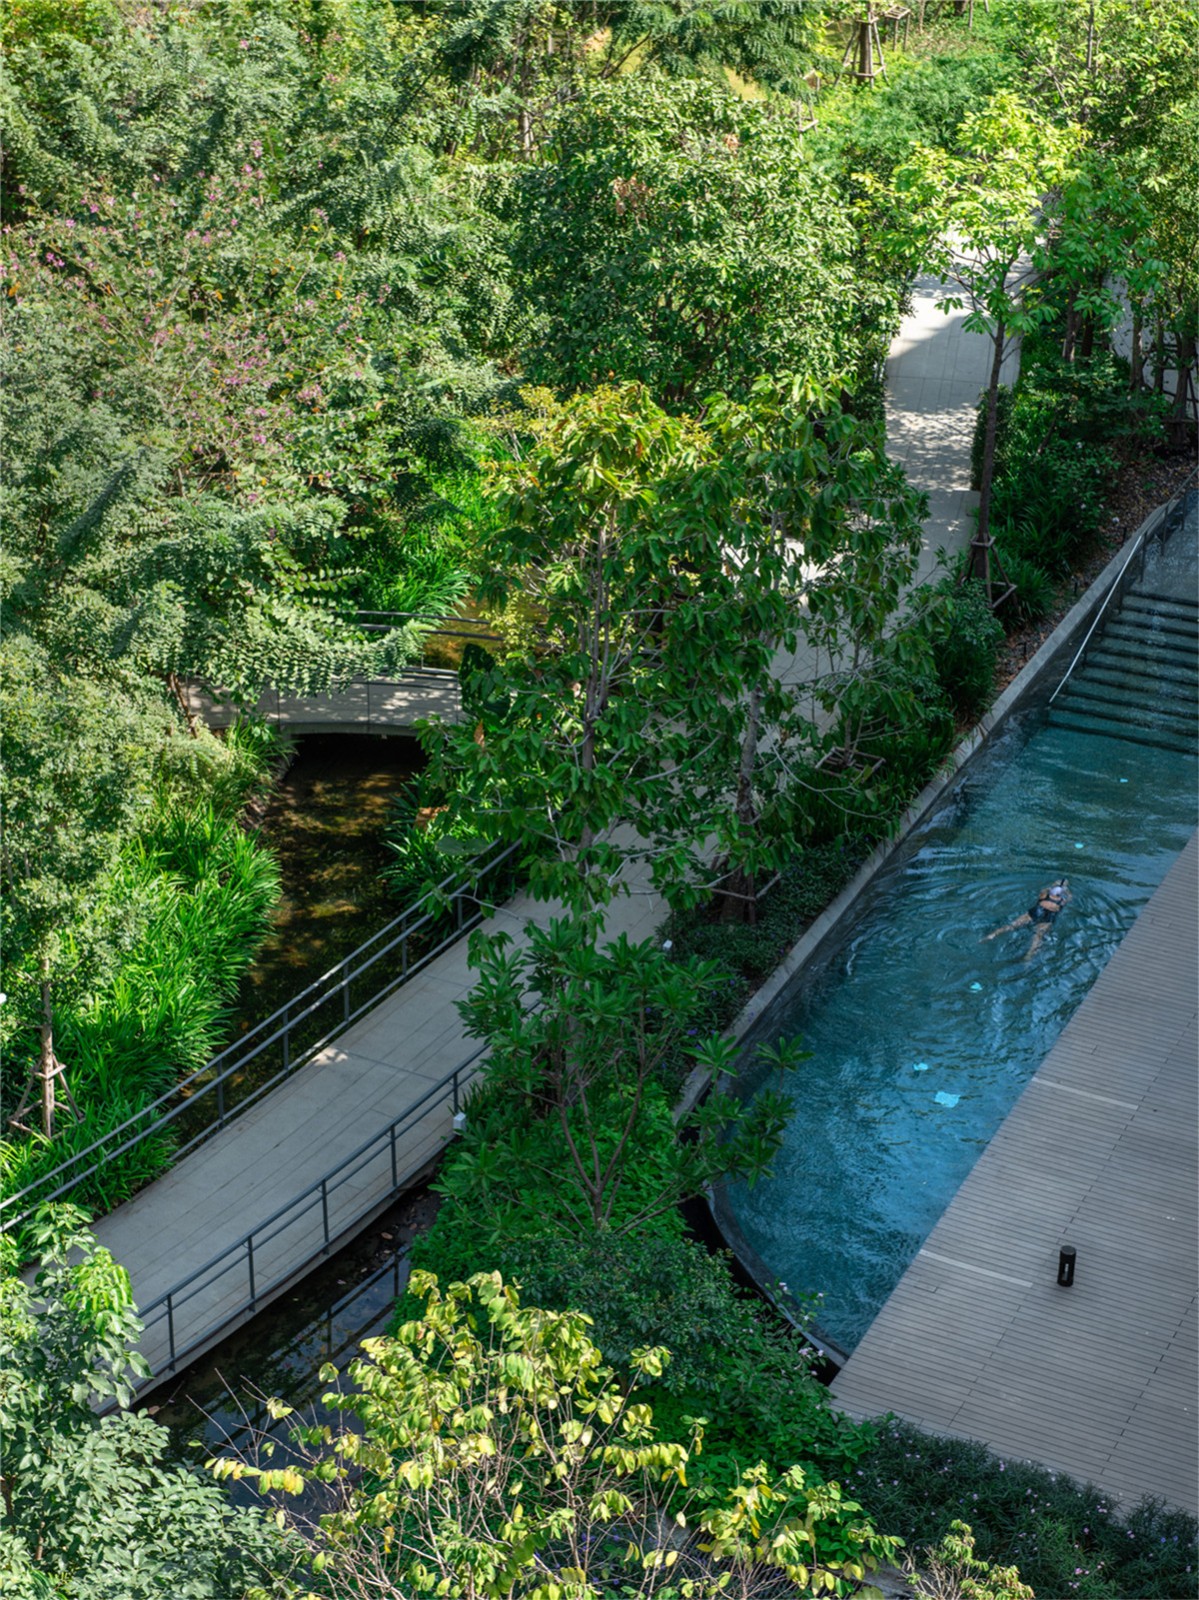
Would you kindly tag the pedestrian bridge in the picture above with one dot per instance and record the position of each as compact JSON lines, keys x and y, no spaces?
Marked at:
{"x":364,"y":705}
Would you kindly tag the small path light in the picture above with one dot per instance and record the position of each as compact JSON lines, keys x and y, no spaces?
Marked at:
{"x":1065,"y":1265}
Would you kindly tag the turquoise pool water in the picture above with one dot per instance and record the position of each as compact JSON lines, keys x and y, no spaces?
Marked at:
{"x":922,"y":1035}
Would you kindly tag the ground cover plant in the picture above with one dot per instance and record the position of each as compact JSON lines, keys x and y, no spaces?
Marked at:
{"x":1067,"y":1538}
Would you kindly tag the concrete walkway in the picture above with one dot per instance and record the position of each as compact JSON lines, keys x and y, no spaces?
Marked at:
{"x":935,"y":373}
{"x":211,"y":1201}
{"x":364,"y":705}
{"x":1099,"y":1380}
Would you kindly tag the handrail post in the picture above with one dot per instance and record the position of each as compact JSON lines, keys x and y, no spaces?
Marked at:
{"x":455,"y":1091}
{"x":395,"y":1180}
{"x":345,"y":996}
{"x":325,"y":1208}
{"x":250,"y":1265}
{"x":287,"y":1037}
{"x":220,"y":1100}
{"x":171,"y":1328}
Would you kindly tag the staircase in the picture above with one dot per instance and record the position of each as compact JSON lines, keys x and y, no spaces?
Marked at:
{"x":1140,"y":679}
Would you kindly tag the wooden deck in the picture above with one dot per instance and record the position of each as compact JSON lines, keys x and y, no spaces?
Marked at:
{"x":1099,"y":1380}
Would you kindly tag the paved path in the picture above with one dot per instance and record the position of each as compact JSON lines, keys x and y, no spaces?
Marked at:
{"x":301,"y":1131}
{"x":935,"y":373}
{"x":1099,"y":1380}
{"x":328,"y":1110}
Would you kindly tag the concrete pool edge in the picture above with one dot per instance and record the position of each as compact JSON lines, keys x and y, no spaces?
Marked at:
{"x":1054,"y":653}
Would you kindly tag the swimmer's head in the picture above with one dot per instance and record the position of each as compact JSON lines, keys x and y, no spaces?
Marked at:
{"x":1058,"y":891}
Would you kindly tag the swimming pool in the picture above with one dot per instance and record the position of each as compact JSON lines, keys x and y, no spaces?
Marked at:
{"x":922,"y":1035}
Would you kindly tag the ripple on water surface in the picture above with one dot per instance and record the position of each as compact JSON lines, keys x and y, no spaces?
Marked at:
{"x":922,"y":1035}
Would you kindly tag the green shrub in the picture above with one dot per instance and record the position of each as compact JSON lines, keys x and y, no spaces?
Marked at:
{"x":417,"y":860}
{"x":1056,"y":435}
{"x":1036,"y":592}
{"x":226,"y":770}
{"x":748,"y":954}
{"x":210,"y":889}
{"x":900,"y":718}
{"x":965,"y":636}
{"x":1066,"y":1538}
{"x":730,"y":1361}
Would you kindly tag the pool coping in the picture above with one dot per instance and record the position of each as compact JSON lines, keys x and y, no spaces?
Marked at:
{"x":1119,"y":573}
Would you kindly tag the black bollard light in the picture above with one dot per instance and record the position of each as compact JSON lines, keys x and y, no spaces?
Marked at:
{"x":1065,"y":1266}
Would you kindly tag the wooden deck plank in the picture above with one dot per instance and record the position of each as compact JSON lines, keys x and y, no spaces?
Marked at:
{"x":1099,"y":1380}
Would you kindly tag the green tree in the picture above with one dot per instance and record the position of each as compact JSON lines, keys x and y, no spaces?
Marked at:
{"x":486,"y":1450}
{"x":666,"y":564}
{"x":977,"y":223}
{"x":512,"y":63}
{"x":677,"y":235}
{"x":90,"y":1511}
{"x":76,"y":777}
{"x":577,"y":733}
{"x":574,"y":1119}
{"x":1117,"y":67}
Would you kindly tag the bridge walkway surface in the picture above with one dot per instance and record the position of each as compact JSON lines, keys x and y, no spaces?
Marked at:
{"x":237,"y":1221}
{"x":1099,"y":1380}
{"x":240,"y":1216}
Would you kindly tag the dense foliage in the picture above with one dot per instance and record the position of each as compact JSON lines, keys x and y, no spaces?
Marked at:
{"x":486,"y":1448}
{"x":91,"y":1512}
{"x":1067,"y":1538}
{"x":279,"y":278}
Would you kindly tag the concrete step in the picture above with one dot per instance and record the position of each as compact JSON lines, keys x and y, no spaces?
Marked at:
{"x":1161,"y":604}
{"x":1128,"y":732}
{"x":1137,"y":647}
{"x":1095,"y":700}
{"x":1122,"y":679}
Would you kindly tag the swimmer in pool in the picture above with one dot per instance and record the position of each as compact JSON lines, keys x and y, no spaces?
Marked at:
{"x":1039,"y":917}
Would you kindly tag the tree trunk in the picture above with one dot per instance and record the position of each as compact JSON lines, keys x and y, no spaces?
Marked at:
{"x":740,"y":901}
{"x":980,"y":547}
{"x":47,"y":1064}
{"x":1159,"y":356}
{"x":181,"y":700}
{"x":1087,"y":349}
{"x":1136,"y":356}
{"x":1071,"y":329}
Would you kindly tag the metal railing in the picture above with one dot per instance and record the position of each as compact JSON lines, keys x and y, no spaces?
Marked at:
{"x":296,"y":1032}
{"x":468,"y":630}
{"x":1154,"y":528}
{"x":244,"y":1256}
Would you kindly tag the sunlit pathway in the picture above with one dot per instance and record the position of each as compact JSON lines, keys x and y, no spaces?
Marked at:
{"x":935,"y":373}
{"x":1100,"y":1379}
{"x":198,"y":1215}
